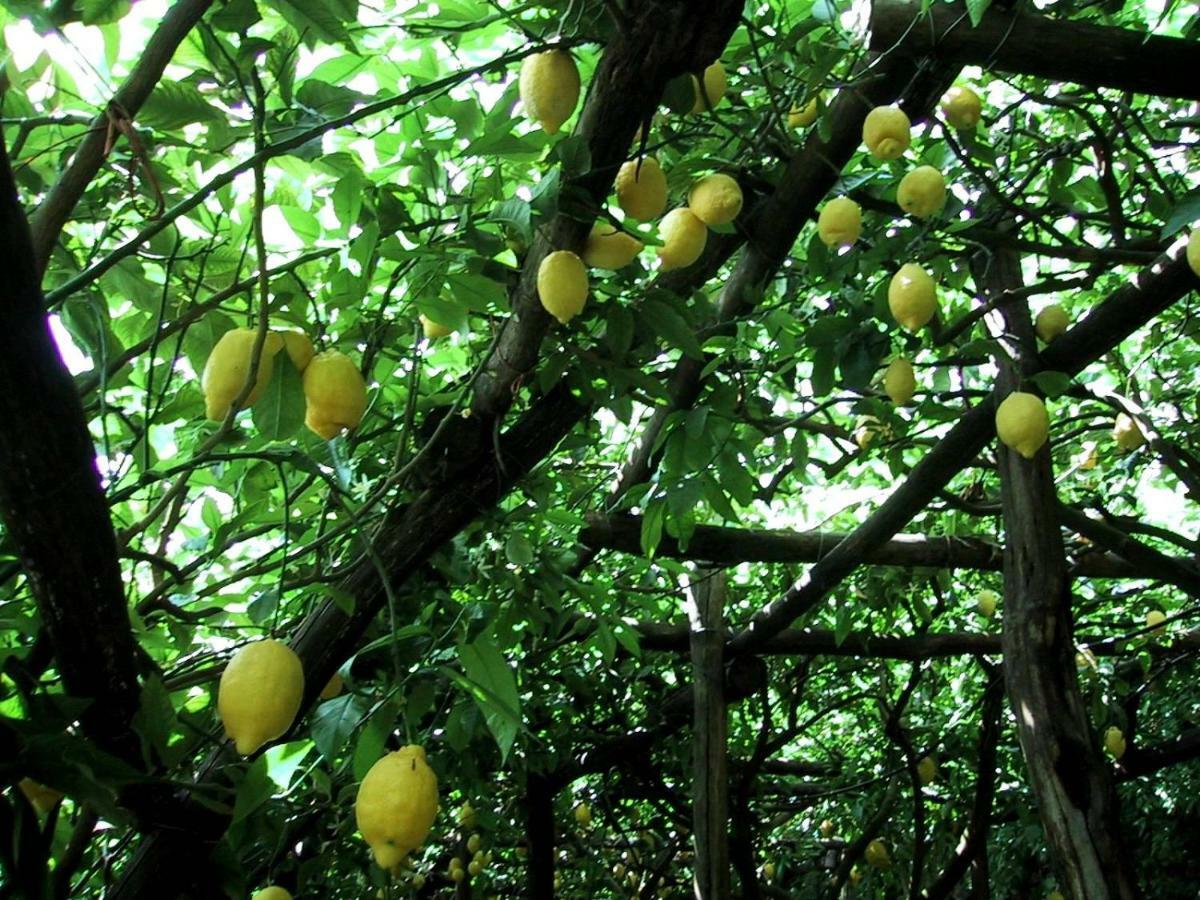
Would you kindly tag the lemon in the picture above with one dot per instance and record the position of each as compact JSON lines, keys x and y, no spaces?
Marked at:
{"x":43,"y":798}
{"x":927,"y":769}
{"x":473,"y":843}
{"x":922,"y":192}
{"x":840,"y":222}
{"x":985,"y":602}
{"x":1114,"y":742}
{"x":856,"y":875}
{"x":299,"y":348}
{"x":260,"y":693}
{"x":332,"y":688}
{"x":433,"y":329}
{"x":826,"y":828}
{"x":608,"y":247}
{"x":1155,"y":618}
{"x":1051,"y":321}
{"x":562,"y":285}
{"x":1022,"y":423}
{"x":1193,"y":251}
{"x":418,"y":881}
{"x":961,"y":107}
{"x":335,"y":393}
{"x":886,"y":132}
{"x":768,"y":870}
{"x":228,"y":367}
{"x":583,"y":815}
{"x":802,"y":117}
{"x":549,"y":86}
{"x":642,"y":189}
{"x":684,"y":237}
{"x":456,"y":875}
{"x":396,"y":804}
{"x":714,"y":87}
{"x":867,"y":429}
{"x":912,"y":296}
{"x":715,"y":199}
{"x":1127,"y":433}
{"x":877,"y":855}
{"x":274,"y":892}
{"x":1055,"y":895}
{"x":899,"y":381}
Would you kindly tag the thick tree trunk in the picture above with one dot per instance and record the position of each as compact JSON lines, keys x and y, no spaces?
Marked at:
{"x":539,"y":829}
{"x":710,"y":784}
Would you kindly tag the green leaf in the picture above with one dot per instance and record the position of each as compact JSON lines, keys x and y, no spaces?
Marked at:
{"x":175,"y":104}
{"x":255,"y":790}
{"x":319,"y":19}
{"x":667,"y":321}
{"x":1052,"y":384}
{"x":976,"y":9}
{"x":498,"y":698}
{"x":518,"y":549}
{"x":103,"y":12}
{"x":334,"y":721}
{"x":279,"y":412}
{"x":1186,"y":211}
{"x":652,"y":525}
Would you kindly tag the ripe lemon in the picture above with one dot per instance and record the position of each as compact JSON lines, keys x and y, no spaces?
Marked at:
{"x":228,"y":367}
{"x":877,"y":855}
{"x":886,"y":132}
{"x":299,"y":348}
{"x":927,"y":769}
{"x":912,"y":296}
{"x":335,"y":393}
{"x":1114,"y":742}
{"x":802,"y":117}
{"x":1193,"y":251}
{"x":1127,"y":433}
{"x":42,"y":797}
{"x":333,"y":687}
{"x":396,"y":804}
{"x":433,"y":329}
{"x":715,"y":199}
{"x":260,"y":693}
{"x":684,"y":237}
{"x":826,"y":828}
{"x":922,"y":192}
{"x":583,"y":815}
{"x":1051,"y":321}
{"x":474,"y":842}
{"x":274,"y":892}
{"x":608,"y":247}
{"x":961,"y":107}
{"x":840,"y":222}
{"x":1022,"y":423}
{"x":549,"y":86}
{"x":562,"y":285}
{"x":899,"y":381}
{"x":642,"y":189}
{"x":985,"y":602}
{"x":1155,"y":619}
{"x":714,"y":87}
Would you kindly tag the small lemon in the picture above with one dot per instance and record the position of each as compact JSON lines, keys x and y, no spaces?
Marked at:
{"x":802,"y":117}
{"x":465,"y":816}
{"x":840,"y":222}
{"x":274,"y":892}
{"x":474,"y":868}
{"x":333,"y":687}
{"x":433,"y":329}
{"x":228,"y":367}
{"x":826,"y":828}
{"x":985,"y":602}
{"x":927,"y":769}
{"x":1114,"y":742}
{"x":456,"y":875}
{"x":856,"y":875}
{"x":259,"y":693}
{"x":1022,"y":423}
{"x":886,"y":132}
{"x":961,"y":107}
{"x":335,"y":394}
{"x":299,"y":348}
{"x":715,"y":199}
{"x":877,"y":855}
{"x":42,"y":797}
{"x":1051,"y":321}
{"x":714,"y":87}
{"x":912,"y":297}
{"x":1055,"y":895}
{"x":684,"y":237}
{"x":768,"y":870}
{"x":549,"y":86}
{"x":1193,"y":251}
{"x":922,"y":192}
{"x":1155,"y":619}
{"x":562,"y":285}
{"x":583,"y":815}
{"x":1127,"y":433}
{"x":473,"y":843}
{"x":899,"y":381}
{"x":642,"y":189}
{"x":608,"y":247}
{"x":396,"y":804}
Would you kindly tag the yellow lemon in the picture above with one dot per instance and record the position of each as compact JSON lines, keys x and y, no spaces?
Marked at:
{"x":877,"y":855}
{"x":608,"y":247}
{"x":433,"y":329}
{"x":927,"y":769}
{"x":1022,"y":423}
{"x":299,"y":348}
{"x":335,"y":392}
{"x":715,"y":200}
{"x":474,"y":868}
{"x":549,"y":86}
{"x":583,"y":815}
{"x":886,"y":132}
{"x":228,"y":367}
{"x":1155,"y":619}
{"x":473,"y":843}
{"x":802,"y":117}
{"x":985,"y":602}
{"x":1055,"y":895}
{"x":961,"y":107}
{"x":1127,"y":433}
{"x":714,"y":87}
{"x":899,"y":381}
{"x":332,"y":688}
{"x":1114,"y":742}
{"x":562,"y":285}
{"x":396,"y":804}
{"x":826,"y":828}
{"x":1051,"y":321}
{"x":922,"y":192}
{"x":274,"y":892}
{"x":840,"y":222}
{"x":465,"y":816}
{"x":1193,"y":251}
{"x":642,"y":189}
{"x":684,"y":237}
{"x":912,"y":296}
{"x":42,"y":797}
{"x":260,"y":693}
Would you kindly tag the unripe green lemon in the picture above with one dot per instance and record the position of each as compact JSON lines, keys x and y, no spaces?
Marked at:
{"x":887,"y":132}
{"x":1193,"y":251}
{"x":642,"y":189}
{"x":473,"y":843}
{"x":1114,"y":742}
{"x":715,"y":199}
{"x":274,"y":892}
{"x":922,"y":192}
{"x":260,"y":693}
{"x":927,"y":769}
{"x":899,"y":381}
{"x":1022,"y":423}
{"x":228,"y":367}
{"x":1051,"y":321}
{"x":961,"y":107}
{"x":840,"y":222}
{"x":1055,"y":895}
{"x":714,"y":87}
{"x":335,"y":394}
{"x":1155,"y":619}
{"x":877,"y":855}
{"x":802,"y":117}
{"x":434,"y":329}
{"x":1127,"y":433}
{"x":562,"y":285}
{"x":912,"y":296}
{"x":985,"y":602}
{"x":684,"y":237}
{"x":549,"y":86}
{"x":608,"y":247}
{"x":396,"y":805}
{"x":583,"y":815}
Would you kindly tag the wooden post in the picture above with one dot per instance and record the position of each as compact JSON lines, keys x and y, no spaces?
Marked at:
{"x":710,"y":790}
